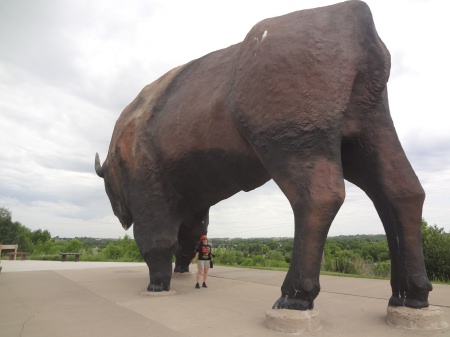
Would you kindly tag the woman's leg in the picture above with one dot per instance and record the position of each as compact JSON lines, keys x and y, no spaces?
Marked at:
{"x":205,"y":274}
{"x":199,"y":272}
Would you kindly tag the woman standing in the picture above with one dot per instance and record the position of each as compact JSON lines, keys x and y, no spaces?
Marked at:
{"x":203,"y":258}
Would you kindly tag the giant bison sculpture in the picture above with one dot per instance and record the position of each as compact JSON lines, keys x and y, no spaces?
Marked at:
{"x":303,"y":101}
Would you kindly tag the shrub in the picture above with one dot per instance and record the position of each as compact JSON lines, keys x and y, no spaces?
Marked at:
{"x":436,"y":250}
{"x":120,"y":250}
{"x":275,"y":255}
{"x":247,"y":262}
{"x":47,"y":247}
{"x":276,"y":264}
{"x":112,"y":252}
{"x":74,"y":246}
{"x":382,"y":269}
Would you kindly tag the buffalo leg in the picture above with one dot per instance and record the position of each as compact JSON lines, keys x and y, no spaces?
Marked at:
{"x":157,"y":244}
{"x":185,"y":249}
{"x":376,"y":163}
{"x":316,"y":191}
{"x":189,"y":234}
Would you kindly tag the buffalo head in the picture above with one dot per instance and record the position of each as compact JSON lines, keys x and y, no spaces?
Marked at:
{"x":115,"y":193}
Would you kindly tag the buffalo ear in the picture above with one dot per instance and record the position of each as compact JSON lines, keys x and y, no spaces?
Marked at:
{"x":98,"y":167}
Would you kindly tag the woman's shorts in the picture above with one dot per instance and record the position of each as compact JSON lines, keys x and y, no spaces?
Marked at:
{"x":203,"y":264}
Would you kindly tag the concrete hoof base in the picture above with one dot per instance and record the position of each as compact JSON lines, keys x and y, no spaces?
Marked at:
{"x":158,"y":293}
{"x":292,"y":321}
{"x":430,"y":318}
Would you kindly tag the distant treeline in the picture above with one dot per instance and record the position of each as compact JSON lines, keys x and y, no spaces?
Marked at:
{"x":365,"y":255}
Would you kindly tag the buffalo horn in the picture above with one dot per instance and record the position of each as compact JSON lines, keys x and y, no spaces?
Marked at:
{"x":98,"y":167}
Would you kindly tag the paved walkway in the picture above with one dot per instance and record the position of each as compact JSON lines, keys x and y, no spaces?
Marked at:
{"x":55,"y":299}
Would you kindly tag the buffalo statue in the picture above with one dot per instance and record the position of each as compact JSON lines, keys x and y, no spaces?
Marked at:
{"x":303,"y":101}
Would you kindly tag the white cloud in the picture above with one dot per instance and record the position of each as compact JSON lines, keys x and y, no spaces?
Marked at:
{"x":67,"y":69}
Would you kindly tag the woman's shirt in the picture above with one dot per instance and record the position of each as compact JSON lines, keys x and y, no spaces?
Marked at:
{"x":204,"y":252}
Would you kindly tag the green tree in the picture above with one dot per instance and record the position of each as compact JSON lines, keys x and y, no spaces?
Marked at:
{"x":74,"y":246}
{"x":258,"y":260}
{"x":130,"y":249}
{"x":376,"y":251}
{"x":275,"y":255}
{"x":124,"y":249}
{"x":436,"y":250}
{"x":112,"y":251}
{"x":23,"y":238}
{"x":40,"y":235}
{"x":14,"y":232}
{"x":49,"y":247}
{"x":8,"y":231}
{"x":225,"y":257}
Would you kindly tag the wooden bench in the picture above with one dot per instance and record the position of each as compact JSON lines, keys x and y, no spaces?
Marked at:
{"x":23,"y":255}
{"x":64,"y":256}
{"x":8,"y":247}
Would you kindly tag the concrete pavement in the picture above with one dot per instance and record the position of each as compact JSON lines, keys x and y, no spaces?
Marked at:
{"x":53,"y":299}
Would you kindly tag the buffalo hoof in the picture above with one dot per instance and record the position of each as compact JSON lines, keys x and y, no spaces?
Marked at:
{"x":417,"y":295}
{"x":417,"y":299}
{"x":396,"y":301}
{"x":158,"y":287}
{"x":293,"y":304}
{"x":416,"y":304}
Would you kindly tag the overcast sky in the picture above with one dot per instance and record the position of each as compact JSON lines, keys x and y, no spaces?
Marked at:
{"x":68,"y":69}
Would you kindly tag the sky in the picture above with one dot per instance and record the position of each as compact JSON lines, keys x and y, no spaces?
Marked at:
{"x":69,"y":68}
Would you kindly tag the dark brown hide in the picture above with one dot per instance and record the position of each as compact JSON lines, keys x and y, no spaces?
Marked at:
{"x":303,"y":101}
